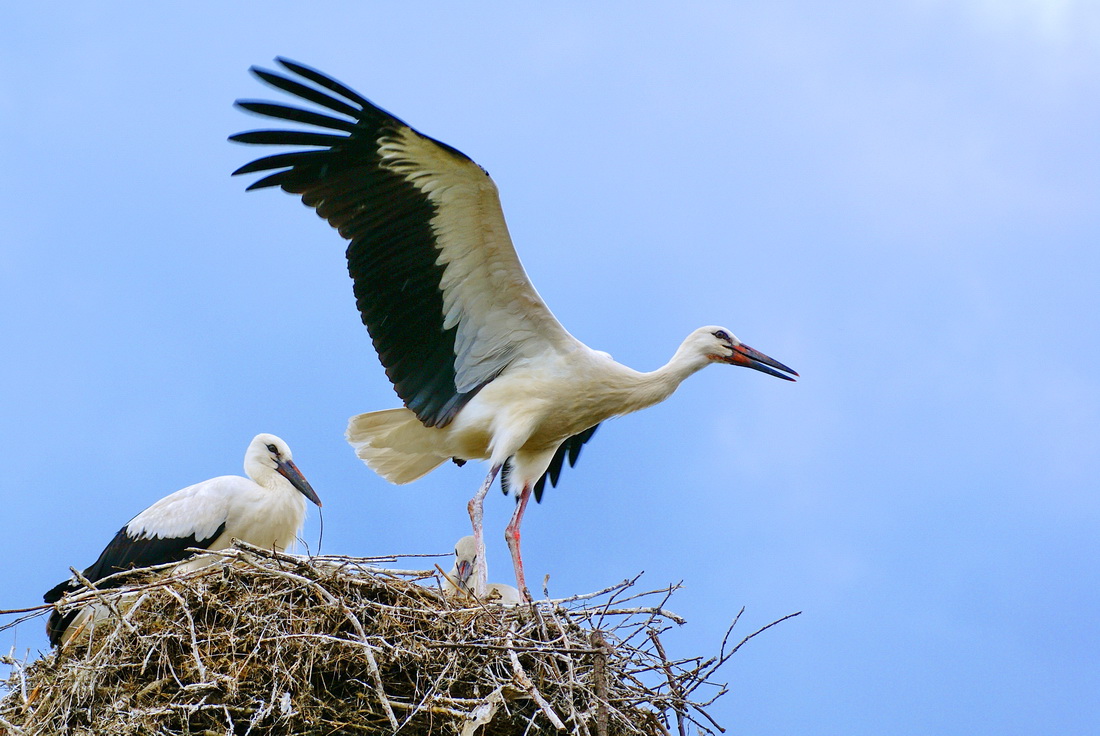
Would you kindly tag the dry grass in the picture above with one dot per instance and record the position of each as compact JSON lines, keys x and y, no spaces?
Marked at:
{"x":265,"y":643}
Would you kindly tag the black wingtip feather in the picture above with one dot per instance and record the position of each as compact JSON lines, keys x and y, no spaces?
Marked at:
{"x":282,"y":160}
{"x":393,"y":250}
{"x":298,"y":89}
{"x":59,"y":591}
{"x":295,"y":114}
{"x":274,"y":180}
{"x":289,"y":138}
{"x":323,"y":79}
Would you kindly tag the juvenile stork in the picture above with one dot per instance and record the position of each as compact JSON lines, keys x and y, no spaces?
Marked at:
{"x":266,"y":509}
{"x":484,"y":369}
{"x":467,"y":568}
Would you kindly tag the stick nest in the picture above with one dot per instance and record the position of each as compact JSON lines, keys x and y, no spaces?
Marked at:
{"x":268,"y":643}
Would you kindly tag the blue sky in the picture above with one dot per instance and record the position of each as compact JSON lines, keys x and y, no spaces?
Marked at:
{"x":899,"y":200}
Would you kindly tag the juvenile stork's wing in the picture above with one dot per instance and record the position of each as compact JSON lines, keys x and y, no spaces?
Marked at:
{"x":437,"y":281}
{"x":128,"y":552}
{"x":133,"y":546}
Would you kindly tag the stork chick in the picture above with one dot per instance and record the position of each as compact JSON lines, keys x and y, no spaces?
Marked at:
{"x":466,"y":567}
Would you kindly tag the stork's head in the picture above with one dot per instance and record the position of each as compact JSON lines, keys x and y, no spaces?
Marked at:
{"x":465,"y":562}
{"x":268,"y":455}
{"x":719,"y":345}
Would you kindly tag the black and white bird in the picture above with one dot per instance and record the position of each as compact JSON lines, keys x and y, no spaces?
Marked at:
{"x":466,"y":570}
{"x":484,"y":369}
{"x":266,"y":509}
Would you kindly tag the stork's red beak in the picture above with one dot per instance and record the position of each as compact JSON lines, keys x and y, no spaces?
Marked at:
{"x":745,"y":356}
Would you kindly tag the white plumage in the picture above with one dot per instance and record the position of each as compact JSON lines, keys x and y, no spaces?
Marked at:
{"x":485,"y":370}
{"x":266,"y":509}
{"x":468,"y":566}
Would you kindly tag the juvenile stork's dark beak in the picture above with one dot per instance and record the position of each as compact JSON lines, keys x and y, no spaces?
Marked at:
{"x":745,"y":356}
{"x":463,"y":570}
{"x":289,"y":470}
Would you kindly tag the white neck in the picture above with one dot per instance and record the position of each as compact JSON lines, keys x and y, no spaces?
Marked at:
{"x":270,"y":479}
{"x":647,"y":389}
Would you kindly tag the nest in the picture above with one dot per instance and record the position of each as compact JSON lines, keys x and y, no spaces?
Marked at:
{"x":265,"y":643}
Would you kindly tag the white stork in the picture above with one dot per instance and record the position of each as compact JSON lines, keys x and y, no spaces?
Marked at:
{"x":469,"y":566}
{"x":485,"y":370}
{"x":266,"y":509}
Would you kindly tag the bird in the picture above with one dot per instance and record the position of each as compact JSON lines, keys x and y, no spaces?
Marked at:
{"x":484,"y":369}
{"x":266,"y":509}
{"x":467,"y":566}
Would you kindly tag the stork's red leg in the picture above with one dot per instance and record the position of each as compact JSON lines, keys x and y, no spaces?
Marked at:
{"x":476,"y":507}
{"x":511,"y":535}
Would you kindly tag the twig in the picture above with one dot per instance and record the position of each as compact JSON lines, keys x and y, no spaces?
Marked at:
{"x":761,"y":630}
{"x":194,"y":636}
{"x":725,"y":656}
{"x":647,"y":625}
{"x":103,"y":600}
{"x":611,"y":598}
{"x":458,"y":587}
{"x":31,"y":609}
{"x":11,"y":727}
{"x":526,"y":683}
{"x":590,"y":596}
{"x":632,"y":611}
{"x":673,"y":685}
{"x":477,"y":645}
{"x":707,"y":716}
{"x":26,"y":617}
{"x":106,"y":586}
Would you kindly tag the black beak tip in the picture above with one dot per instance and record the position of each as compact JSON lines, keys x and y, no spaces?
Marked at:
{"x":775,"y":368}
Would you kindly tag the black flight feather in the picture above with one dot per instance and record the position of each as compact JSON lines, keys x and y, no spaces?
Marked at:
{"x":570,"y":449}
{"x":393,"y":250}
{"x":123,"y":553}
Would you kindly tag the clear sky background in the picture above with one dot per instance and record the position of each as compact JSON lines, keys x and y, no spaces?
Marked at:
{"x":899,"y":200}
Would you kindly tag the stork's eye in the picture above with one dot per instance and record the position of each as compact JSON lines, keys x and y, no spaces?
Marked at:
{"x":722,"y":335}
{"x":273,"y":448}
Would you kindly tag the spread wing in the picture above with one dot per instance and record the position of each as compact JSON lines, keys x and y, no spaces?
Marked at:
{"x":437,"y":281}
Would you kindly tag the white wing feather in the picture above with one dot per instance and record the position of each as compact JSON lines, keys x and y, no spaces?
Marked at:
{"x":199,"y":509}
{"x":486,"y":292}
